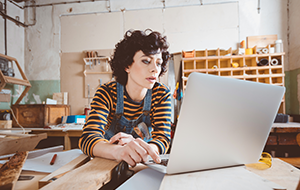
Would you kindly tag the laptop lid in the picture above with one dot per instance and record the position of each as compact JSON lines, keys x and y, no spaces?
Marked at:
{"x":222,"y":122}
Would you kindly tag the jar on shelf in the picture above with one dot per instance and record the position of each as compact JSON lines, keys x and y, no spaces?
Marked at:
{"x":278,"y":46}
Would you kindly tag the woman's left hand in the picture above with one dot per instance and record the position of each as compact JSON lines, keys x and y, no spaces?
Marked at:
{"x":121,"y":139}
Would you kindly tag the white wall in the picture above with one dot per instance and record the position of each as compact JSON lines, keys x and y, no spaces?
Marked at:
{"x":198,"y":26}
{"x":43,"y":42}
{"x":294,"y":31}
{"x":15,"y":35}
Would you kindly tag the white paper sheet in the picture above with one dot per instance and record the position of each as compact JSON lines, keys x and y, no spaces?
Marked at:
{"x":42,"y":163}
{"x":147,"y":179}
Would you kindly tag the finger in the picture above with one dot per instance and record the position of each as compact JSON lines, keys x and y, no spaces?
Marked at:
{"x":125,"y":140}
{"x":115,"y":139}
{"x":118,"y":136}
{"x":137,"y":152}
{"x":154,"y":155}
{"x":129,"y":160}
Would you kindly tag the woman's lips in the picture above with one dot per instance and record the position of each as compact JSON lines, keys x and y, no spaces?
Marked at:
{"x":151,"y":79}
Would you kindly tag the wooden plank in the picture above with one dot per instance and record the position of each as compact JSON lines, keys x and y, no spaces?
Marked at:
{"x":12,"y":145}
{"x":16,"y":134}
{"x":91,"y":175}
{"x":287,"y":139}
{"x":281,"y":173}
{"x":272,"y":140}
{"x":77,"y":162}
{"x":10,"y":171}
{"x":17,"y":81}
{"x":261,"y":41}
{"x":295,"y":161}
{"x":218,"y":179}
{"x":36,"y":153}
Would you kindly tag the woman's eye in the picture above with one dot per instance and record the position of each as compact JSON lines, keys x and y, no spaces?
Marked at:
{"x":159,"y":63}
{"x":146,"y":61}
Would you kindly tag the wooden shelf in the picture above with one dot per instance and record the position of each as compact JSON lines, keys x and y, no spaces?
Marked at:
{"x":97,"y":71}
{"x":220,"y":62}
{"x":11,"y":80}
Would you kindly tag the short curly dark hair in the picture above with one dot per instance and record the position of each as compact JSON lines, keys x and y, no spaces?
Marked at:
{"x":148,"y":41}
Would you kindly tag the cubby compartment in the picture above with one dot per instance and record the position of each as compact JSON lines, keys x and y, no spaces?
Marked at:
{"x":250,"y":62}
{"x":237,"y":73}
{"x":276,"y":70}
{"x":239,"y":61}
{"x":225,"y":73}
{"x":275,"y":60}
{"x":251,"y":79}
{"x":225,"y":63}
{"x":263,"y":71}
{"x":211,"y":63}
{"x":201,"y":53}
{"x":263,"y":61}
{"x":212,"y":52}
{"x":213,"y":72}
{"x":251,"y":72}
{"x":188,"y":64}
{"x":186,"y":74}
{"x":225,"y":52}
{"x":277,"y":80}
{"x":200,"y":64}
{"x":264,"y":80}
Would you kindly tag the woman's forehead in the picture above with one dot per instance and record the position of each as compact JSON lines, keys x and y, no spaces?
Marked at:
{"x":141,"y":54}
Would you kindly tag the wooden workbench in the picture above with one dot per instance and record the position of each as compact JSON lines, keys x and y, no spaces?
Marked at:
{"x":65,"y":133}
{"x":284,"y":134}
{"x":281,"y":173}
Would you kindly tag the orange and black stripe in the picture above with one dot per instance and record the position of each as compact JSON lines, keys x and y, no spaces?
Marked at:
{"x":103,"y":108}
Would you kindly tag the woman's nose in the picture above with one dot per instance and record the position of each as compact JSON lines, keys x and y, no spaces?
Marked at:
{"x":155,"y":67}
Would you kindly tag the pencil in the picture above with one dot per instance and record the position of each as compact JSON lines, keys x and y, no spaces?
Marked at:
{"x":53,"y":159}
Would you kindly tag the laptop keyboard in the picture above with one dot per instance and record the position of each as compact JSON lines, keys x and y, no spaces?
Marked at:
{"x":163,"y":162}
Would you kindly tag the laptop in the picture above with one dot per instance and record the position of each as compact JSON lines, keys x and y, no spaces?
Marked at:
{"x":223,"y":122}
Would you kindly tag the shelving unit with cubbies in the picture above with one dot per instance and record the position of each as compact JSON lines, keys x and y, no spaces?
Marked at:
{"x":220,"y":62}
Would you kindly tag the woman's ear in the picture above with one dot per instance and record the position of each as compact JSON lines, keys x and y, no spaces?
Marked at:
{"x":127,"y":69}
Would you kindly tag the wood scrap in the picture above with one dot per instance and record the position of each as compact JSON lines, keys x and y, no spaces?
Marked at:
{"x":77,"y":162}
{"x":261,"y":41}
{"x":92,"y":175}
{"x":10,"y":171}
{"x":19,"y":142}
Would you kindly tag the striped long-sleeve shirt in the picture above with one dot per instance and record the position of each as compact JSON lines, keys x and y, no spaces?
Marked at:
{"x":103,"y":108}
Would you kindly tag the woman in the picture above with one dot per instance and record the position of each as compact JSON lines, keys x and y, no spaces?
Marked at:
{"x":130,"y":118}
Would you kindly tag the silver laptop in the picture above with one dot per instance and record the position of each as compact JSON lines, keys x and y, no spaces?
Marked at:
{"x":222,"y":122}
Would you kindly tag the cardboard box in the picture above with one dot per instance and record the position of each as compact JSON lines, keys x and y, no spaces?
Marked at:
{"x":61,"y":97}
{"x":5,"y":124}
{"x":39,"y":115}
{"x":5,"y":95}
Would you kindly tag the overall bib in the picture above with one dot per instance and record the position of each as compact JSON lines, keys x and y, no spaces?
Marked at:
{"x":121,"y":124}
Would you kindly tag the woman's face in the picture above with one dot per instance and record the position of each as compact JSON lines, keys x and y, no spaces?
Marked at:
{"x":144,"y":70}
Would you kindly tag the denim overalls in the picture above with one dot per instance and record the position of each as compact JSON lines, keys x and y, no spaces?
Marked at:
{"x":121,"y":124}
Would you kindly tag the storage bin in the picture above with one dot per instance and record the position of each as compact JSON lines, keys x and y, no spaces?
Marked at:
{"x":39,"y":115}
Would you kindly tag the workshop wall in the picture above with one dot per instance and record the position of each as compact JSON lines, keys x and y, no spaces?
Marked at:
{"x":293,"y":71}
{"x":43,"y":47}
{"x":15,"y":45}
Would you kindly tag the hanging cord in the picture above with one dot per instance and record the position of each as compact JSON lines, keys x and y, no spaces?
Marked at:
{"x":17,"y":120}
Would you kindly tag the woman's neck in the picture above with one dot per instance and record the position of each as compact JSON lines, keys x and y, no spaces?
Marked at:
{"x":135,"y":93}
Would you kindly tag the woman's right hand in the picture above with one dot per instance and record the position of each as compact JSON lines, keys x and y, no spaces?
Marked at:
{"x":121,"y":139}
{"x":136,"y":151}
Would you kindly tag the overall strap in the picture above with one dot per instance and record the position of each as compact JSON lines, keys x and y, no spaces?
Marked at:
{"x":120,"y":100}
{"x":147,"y":102}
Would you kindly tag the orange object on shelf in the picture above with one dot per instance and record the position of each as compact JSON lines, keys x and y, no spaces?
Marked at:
{"x":243,"y":44}
{"x":188,"y":54}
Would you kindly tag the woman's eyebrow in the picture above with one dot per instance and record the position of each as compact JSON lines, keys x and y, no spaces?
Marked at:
{"x":147,"y":56}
